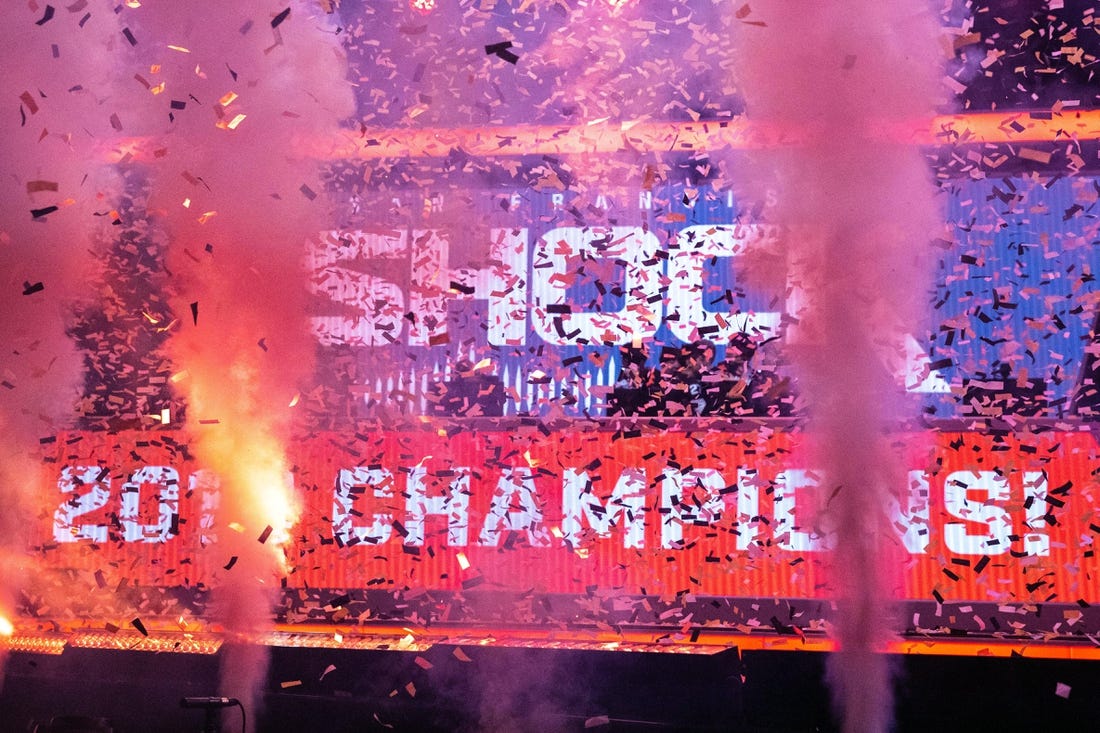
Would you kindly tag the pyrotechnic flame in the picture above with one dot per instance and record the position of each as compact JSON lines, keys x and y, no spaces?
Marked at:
{"x":259,"y":489}
{"x":6,"y":626}
{"x":275,"y":502}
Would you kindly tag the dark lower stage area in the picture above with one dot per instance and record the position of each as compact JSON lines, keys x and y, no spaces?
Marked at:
{"x":516,"y":689}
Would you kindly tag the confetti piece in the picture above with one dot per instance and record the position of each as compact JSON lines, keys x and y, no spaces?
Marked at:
{"x":500,"y":50}
{"x":195,"y":312}
{"x":47,"y":16}
{"x":1062,"y":690}
{"x":28,"y":101}
{"x":31,"y":289}
{"x":137,"y":624}
{"x":290,"y":683}
{"x":35,"y":186}
{"x":129,"y":36}
{"x":1036,"y":155}
{"x":40,"y":213}
{"x":232,"y":561}
{"x":596,"y":721}
{"x":278,"y":19}
{"x":265,"y":534}
{"x":460,"y":655}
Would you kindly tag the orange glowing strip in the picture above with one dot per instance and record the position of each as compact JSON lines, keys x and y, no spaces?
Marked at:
{"x":1017,"y":127}
{"x":1004,"y":127}
{"x":709,"y":641}
{"x":598,"y":137}
{"x":166,"y":637}
{"x":738,"y":133}
{"x":996,"y":648}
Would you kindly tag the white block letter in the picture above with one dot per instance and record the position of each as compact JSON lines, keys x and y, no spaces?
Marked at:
{"x":956,"y":489}
{"x":354,"y":482}
{"x":627,"y":501}
{"x":453,"y":503}
{"x":515,"y":507}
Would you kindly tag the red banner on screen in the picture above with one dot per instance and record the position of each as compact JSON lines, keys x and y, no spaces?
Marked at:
{"x":710,"y":512}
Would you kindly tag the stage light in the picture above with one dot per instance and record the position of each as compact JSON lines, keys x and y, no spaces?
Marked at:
{"x":6,"y":628}
{"x":422,"y":6}
{"x":33,"y":643}
{"x":384,"y":641}
{"x":159,"y":643}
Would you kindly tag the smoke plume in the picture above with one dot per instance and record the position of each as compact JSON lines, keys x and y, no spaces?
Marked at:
{"x":55,"y":211}
{"x":240,"y":84}
{"x":845,"y":76}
